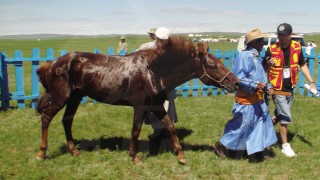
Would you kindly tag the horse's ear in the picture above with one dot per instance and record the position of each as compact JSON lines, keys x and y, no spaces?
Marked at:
{"x":206,"y":47}
{"x":200,"y":48}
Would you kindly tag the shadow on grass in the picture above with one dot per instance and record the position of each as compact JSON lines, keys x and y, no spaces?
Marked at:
{"x":290,"y":136}
{"x":123,"y":143}
{"x":155,"y":148}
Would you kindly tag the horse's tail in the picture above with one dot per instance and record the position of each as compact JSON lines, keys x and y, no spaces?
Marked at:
{"x":42,"y":74}
{"x":43,"y":101}
{"x":46,"y":76}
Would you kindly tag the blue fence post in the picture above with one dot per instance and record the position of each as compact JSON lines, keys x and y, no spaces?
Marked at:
{"x":122,"y":52}
{"x":195,"y":89}
{"x":96,"y":50}
{"x":19,"y":79}
{"x":218,"y":55}
{"x":110,"y":51}
{"x":63,"y":52}
{"x":227,"y":56}
{"x":34,"y":77}
{"x":5,"y":96}
{"x":311,"y":66}
{"x":205,"y":89}
{"x":49,"y":53}
{"x":235,"y":53}
{"x":318,"y":77}
{"x":185,"y":89}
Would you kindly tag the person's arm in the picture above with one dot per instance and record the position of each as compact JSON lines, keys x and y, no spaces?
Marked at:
{"x":241,"y":71}
{"x":306,"y":73}
{"x":126,"y":48}
{"x":267,"y":60}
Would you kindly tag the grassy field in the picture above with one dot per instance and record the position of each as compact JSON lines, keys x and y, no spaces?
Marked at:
{"x":102,"y":133}
{"x":101,"y":42}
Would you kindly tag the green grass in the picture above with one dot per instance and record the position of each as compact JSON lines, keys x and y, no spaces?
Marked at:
{"x":103,"y":131}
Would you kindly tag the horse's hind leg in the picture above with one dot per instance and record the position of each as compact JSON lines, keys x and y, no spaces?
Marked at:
{"x":72,"y":106}
{"x":174,"y":137}
{"x":47,"y":115}
{"x":136,"y":128}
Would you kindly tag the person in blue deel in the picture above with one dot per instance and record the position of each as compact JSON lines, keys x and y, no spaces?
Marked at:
{"x":251,"y":127}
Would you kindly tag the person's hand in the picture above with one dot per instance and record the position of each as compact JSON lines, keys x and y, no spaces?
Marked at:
{"x":270,"y":61}
{"x":270,"y":91}
{"x":313,"y":86}
{"x":261,"y":86}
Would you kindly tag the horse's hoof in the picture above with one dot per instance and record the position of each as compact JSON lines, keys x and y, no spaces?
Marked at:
{"x":40,"y":156}
{"x":75,"y":152}
{"x":136,"y":161}
{"x":182,"y":159}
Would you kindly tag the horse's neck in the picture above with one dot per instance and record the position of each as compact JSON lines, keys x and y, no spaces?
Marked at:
{"x":175,"y":73}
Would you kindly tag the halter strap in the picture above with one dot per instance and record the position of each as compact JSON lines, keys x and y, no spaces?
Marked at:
{"x":205,"y":74}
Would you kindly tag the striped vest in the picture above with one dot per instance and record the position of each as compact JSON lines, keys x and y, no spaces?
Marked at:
{"x":275,"y":73}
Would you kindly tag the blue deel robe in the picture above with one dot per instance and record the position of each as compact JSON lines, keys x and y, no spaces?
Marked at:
{"x":251,"y":127}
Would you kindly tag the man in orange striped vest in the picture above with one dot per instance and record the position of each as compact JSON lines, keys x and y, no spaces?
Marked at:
{"x":281,"y":63}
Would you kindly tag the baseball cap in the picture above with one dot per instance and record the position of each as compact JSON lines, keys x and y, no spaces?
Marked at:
{"x":122,"y":37}
{"x":284,"y":29}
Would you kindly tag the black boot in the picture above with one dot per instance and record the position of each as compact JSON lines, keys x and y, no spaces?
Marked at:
{"x":256,"y":157}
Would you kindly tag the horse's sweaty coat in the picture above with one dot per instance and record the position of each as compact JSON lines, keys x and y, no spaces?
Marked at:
{"x":138,"y":80}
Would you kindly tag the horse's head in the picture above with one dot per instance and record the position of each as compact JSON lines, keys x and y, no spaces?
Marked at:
{"x":213,"y":72}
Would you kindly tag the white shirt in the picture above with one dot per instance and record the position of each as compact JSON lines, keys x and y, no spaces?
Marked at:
{"x":148,"y":45}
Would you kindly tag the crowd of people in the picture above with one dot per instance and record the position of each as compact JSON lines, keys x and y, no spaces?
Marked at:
{"x":251,"y":128}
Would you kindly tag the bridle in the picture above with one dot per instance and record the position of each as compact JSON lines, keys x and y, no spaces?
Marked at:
{"x":205,"y":74}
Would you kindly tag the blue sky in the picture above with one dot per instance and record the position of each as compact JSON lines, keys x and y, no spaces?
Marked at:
{"x":94,"y":17}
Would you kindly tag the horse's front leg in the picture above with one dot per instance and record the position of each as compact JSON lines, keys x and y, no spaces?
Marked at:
{"x":136,"y":128}
{"x":174,"y":138}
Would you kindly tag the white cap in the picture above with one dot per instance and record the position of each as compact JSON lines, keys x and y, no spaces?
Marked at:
{"x":162,"y":33}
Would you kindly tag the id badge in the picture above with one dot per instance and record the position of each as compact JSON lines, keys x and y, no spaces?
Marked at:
{"x":286,"y":73}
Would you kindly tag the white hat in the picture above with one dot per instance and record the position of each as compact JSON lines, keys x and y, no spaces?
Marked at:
{"x":122,"y":37}
{"x":162,"y":33}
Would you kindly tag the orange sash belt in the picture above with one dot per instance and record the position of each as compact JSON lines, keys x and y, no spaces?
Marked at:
{"x":245,"y":98}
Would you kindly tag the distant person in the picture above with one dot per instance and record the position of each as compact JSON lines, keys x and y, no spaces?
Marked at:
{"x":310,"y":46}
{"x":149,"y":45}
{"x":281,"y":62}
{"x":123,"y":46}
{"x":160,"y":36}
{"x":250,"y":128}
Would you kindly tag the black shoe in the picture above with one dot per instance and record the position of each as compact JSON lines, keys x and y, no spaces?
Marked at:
{"x":256,"y":157}
{"x":268,"y":154}
{"x":219,"y":149}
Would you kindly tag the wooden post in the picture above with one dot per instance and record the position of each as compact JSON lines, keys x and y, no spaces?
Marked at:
{"x":20,"y":93}
{"x":35,"y":90}
{"x":5,"y":99}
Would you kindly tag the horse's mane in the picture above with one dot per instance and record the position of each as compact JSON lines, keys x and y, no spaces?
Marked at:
{"x":177,"y":46}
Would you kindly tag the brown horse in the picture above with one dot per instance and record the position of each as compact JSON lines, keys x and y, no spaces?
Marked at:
{"x":139,"y":80}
